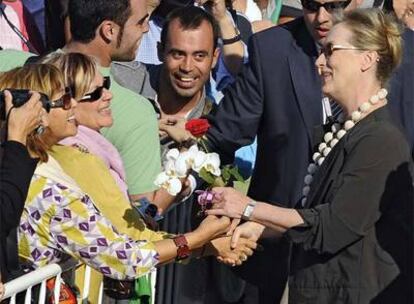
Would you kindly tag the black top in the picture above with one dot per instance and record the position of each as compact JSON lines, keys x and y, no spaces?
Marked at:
{"x":356,"y":245}
{"x":16,"y":171}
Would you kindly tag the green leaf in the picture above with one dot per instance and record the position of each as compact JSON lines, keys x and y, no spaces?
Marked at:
{"x":235,"y":173}
{"x":207,"y":176}
{"x":225,"y":173}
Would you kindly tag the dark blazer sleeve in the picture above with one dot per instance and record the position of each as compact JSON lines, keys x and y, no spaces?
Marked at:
{"x":16,"y":171}
{"x":234,"y":123}
{"x":376,"y":179}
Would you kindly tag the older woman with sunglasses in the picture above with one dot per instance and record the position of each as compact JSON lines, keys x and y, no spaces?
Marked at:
{"x":352,"y":231}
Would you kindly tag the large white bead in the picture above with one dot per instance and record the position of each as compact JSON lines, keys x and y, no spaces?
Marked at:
{"x":308,"y":179}
{"x":333,"y":142}
{"x":320,"y":161}
{"x":316,"y":156}
{"x":326,"y":151}
{"x":365,"y":107}
{"x":328,"y":137}
{"x":356,"y":116}
{"x":382,"y":93}
{"x":322,"y":147}
{"x":305,"y":190}
{"x":374,"y":99}
{"x":340,"y":134}
{"x":349,"y":124}
{"x":312,"y":168}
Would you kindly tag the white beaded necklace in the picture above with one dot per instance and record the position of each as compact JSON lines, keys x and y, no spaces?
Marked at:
{"x":330,"y":139}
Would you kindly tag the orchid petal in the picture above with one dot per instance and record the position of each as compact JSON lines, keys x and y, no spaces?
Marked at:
{"x":174,"y":186}
{"x":172,"y":154}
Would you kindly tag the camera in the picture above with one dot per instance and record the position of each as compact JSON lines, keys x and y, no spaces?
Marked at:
{"x":20,"y":97}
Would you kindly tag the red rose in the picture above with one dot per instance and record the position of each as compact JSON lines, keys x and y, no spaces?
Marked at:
{"x":197,"y":127}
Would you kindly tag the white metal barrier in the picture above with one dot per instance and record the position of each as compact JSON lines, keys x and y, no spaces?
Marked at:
{"x":39,"y":277}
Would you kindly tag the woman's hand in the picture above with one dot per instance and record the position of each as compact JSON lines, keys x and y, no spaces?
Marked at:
{"x":232,"y":256}
{"x":23,"y":120}
{"x":174,"y":128}
{"x":228,"y":202}
{"x":250,"y":230}
{"x":212,"y":227}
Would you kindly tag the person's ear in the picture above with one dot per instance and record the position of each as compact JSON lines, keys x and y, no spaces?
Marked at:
{"x":108,"y":30}
{"x":369,"y":60}
{"x":216,"y":55}
{"x":160,"y":51}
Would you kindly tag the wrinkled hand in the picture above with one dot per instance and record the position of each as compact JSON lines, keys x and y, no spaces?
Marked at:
{"x":232,"y":256}
{"x":228,"y":202}
{"x":174,"y":128}
{"x":213,"y":226}
{"x":249,"y":230}
{"x":23,"y":120}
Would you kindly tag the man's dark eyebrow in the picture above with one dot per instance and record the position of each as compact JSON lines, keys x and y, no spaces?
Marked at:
{"x":142,"y":20}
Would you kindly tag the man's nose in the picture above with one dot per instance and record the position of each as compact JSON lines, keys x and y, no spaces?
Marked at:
{"x":187,"y":64}
{"x":323,"y":15}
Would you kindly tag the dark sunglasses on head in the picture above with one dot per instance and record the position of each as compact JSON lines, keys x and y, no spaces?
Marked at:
{"x":64,"y":102}
{"x":314,"y":6}
{"x":97,"y":93}
{"x":329,"y":48}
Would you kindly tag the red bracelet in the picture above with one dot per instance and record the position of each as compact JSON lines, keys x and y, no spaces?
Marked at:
{"x":183,"y":251}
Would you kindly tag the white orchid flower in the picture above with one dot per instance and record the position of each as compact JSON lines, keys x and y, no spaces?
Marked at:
{"x":181,"y":165}
{"x":172,"y":154}
{"x":212,"y":164}
{"x":169,"y":167}
{"x":199,"y":160}
{"x":161,"y":179}
{"x":193,"y":150}
{"x":171,"y":184}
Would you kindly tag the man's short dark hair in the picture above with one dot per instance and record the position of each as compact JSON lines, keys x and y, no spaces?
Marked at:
{"x":190,"y":18}
{"x":86,"y":16}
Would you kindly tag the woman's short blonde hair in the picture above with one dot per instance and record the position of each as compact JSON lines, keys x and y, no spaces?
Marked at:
{"x":79,"y":70}
{"x":43,"y":78}
{"x":374,"y":30}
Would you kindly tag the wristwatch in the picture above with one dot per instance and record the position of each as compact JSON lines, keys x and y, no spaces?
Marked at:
{"x":248,"y":210}
{"x":183,"y":251}
{"x":232,"y":40}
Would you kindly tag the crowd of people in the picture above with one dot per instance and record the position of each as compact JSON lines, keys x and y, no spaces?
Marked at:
{"x":313,"y":101}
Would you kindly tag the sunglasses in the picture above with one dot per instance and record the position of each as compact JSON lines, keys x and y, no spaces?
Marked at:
{"x":64,"y":102}
{"x":314,"y":6}
{"x":329,"y":48}
{"x":97,"y":93}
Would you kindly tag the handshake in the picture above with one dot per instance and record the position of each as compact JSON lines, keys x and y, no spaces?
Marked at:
{"x":232,"y":243}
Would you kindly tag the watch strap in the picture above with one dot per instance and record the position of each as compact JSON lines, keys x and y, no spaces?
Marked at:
{"x":231,"y":40}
